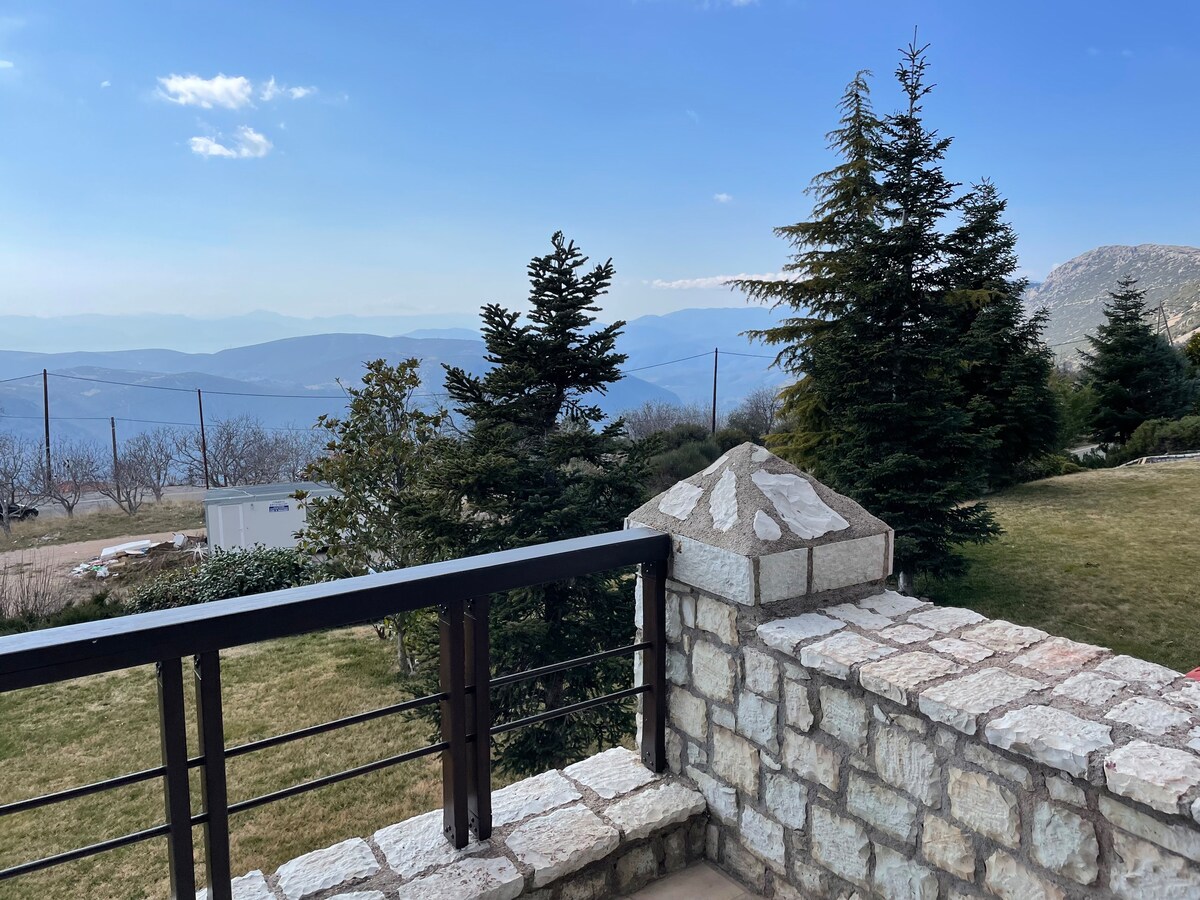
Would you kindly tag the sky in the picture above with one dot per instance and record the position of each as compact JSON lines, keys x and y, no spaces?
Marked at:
{"x":319,"y":158}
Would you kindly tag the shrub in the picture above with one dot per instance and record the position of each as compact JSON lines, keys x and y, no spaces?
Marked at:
{"x":98,"y":607}
{"x":1048,"y":466}
{"x":225,"y":574}
{"x":1159,"y":436}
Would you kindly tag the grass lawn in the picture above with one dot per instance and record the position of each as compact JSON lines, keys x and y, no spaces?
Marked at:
{"x":68,"y":734}
{"x":1109,"y":557}
{"x":107,"y":523}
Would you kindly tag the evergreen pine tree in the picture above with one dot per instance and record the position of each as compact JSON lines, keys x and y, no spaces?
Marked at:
{"x":536,"y":463}
{"x":1135,"y":373}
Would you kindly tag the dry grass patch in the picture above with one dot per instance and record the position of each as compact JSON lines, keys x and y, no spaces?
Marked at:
{"x":106,"y":523}
{"x":1109,"y":557}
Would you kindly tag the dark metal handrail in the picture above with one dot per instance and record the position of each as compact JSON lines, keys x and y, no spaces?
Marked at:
{"x":459,"y":589}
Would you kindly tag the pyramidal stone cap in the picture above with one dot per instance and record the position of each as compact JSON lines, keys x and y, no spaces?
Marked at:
{"x":755,"y":529}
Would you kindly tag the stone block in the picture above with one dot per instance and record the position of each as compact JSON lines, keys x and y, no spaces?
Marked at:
{"x":890,"y":603}
{"x":713,"y":569}
{"x":1058,"y":656}
{"x":532,"y":796}
{"x":654,"y":809}
{"x":960,"y":702}
{"x":782,"y":576}
{"x":757,"y":719}
{"x":675,"y":855}
{"x":897,"y":877}
{"x":785,"y":799}
{"x":1180,"y":839}
{"x":612,"y":773}
{"x":1153,"y":775}
{"x":841,"y":845}
{"x":687,"y":609}
{"x":468,"y":879}
{"x":361,"y":895}
{"x":713,"y":671}
{"x":1149,"y":716}
{"x":763,"y":837}
{"x":418,"y":844}
{"x":588,"y":886}
{"x":894,"y":676}
{"x":846,"y":563}
{"x":797,"y":711}
{"x":785,"y":635}
{"x":744,"y":864}
{"x":251,"y":886}
{"x":718,"y":618}
{"x":945,"y":619}
{"x":1064,"y":843}
{"x":735,"y":761}
{"x":1010,"y":880}
{"x":1062,"y":789}
{"x":323,"y":870}
{"x":948,"y":847}
{"x":1188,"y":696}
{"x":562,"y":842}
{"x":865,"y":619}
{"x":907,"y":634}
{"x":810,"y":760}
{"x":1137,"y":671}
{"x":677,"y":669}
{"x":723,"y":716}
{"x":674,"y":611}
{"x":721,"y":798}
{"x":882,"y":808}
{"x":637,"y":867}
{"x":835,"y":655}
{"x":984,"y":806}
{"x":1004,"y":637}
{"x":912,"y":724}
{"x":998,"y":765}
{"x":760,"y":673}
{"x":908,"y":764}
{"x":688,"y":713}
{"x":1141,"y":870}
{"x":1091,"y":688}
{"x":962,"y":651}
{"x":1050,"y":736}
{"x":844,"y":717}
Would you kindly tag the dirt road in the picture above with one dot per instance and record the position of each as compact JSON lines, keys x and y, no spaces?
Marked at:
{"x":60,"y":559}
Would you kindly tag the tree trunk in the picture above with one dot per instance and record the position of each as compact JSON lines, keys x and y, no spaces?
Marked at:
{"x":904,"y":582}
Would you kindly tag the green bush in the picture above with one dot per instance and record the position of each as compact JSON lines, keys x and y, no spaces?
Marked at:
{"x":98,"y":607}
{"x":225,"y":574}
{"x":1159,"y":436}
{"x":1047,"y":466}
{"x":728,"y":438}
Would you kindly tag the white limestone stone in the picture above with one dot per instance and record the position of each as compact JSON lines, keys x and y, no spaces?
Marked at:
{"x":856,"y":615}
{"x":611,"y":773}
{"x":562,"y":842}
{"x":844,"y":716}
{"x":361,"y":895}
{"x":417,"y":844}
{"x":677,"y":668}
{"x":716,"y":464}
{"x":840,"y":845}
{"x":797,"y":504}
{"x":810,"y":760}
{"x":945,"y":619}
{"x":1153,"y":775}
{"x":847,"y":563}
{"x":796,"y":709}
{"x":835,"y":655}
{"x":785,"y":635}
{"x":783,"y":575}
{"x":532,"y":796}
{"x":721,"y":798}
{"x":1065,"y":843}
{"x":882,"y":808}
{"x":785,"y":799}
{"x":960,"y":702}
{"x":890,"y":603}
{"x":998,"y":765}
{"x":766,"y":528}
{"x":963,"y":651}
{"x":713,"y":569}
{"x":1150,"y":716}
{"x":906,"y":634}
{"x":1010,"y":880}
{"x":757,"y":720}
{"x":895,"y":676}
{"x":468,"y":879}
{"x":1004,"y":637}
{"x":907,"y":763}
{"x":722,"y":502}
{"x":1050,"y":736}
{"x":1091,"y":688}
{"x":723,"y":717}
{"x":1058,"y":656}
{"x":914,"y":724}
{"x":717,"y":618}
{"x":735,"y":761}
{"x":689,"y":713}
{"x":760,"y":673}
{"x":321,"y":870}
{"x":763,"y":838}
{"x":948,"y":847}
{"x":680,"y":500}
{"x":647,"y":812}
{"x":897,"y":877}
{"x":251,"y":886}
{"x":984,"y":806}
{"x":713,"y":671}
{"x":1061,"y":788}
{"x":1138,"y":671}
{"x":760,"y":454}
{"x":1141,"y":871}
{"x":1194,"y":739}
{"x":1188,"y":695}
{"x":1180,"y":839}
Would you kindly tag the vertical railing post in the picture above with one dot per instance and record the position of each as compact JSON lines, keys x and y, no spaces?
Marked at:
{"x":654,"y":665}
{"x":214,"y":793}
{"x":455,"y":821}
{"x":477,"y":657}
{"x":173,"y":730}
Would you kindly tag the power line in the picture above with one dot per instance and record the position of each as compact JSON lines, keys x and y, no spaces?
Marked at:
{"x":20,"y":378}
{"x":667,"y":363}
{"x":750,"y":355}
{"x":163,"y":387}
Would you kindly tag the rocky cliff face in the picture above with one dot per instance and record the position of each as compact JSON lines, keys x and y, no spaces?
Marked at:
{"x":1075,"y":291}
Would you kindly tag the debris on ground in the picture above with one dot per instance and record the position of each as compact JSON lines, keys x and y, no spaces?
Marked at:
{"x":181,"y":549}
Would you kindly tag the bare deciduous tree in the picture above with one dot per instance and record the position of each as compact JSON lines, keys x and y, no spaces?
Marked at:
{"x":154,"y":456}
{"x":20,"y":484}
{"x":242,"y":450}
{"x":655,"y":416}
{"x":77,"y":469}
{"x":758,"y":413}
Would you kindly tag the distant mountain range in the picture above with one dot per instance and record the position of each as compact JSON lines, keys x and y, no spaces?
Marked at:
{"x":160,"y":385}
{"x":1075,"y":291}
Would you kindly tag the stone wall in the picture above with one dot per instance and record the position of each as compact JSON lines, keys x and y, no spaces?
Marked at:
{"x":880,"y":746}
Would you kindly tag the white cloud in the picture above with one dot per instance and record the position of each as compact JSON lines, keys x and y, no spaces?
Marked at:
{"x":247,"y":144}
{"x":299,"y":93}
{"x":272,"y":89}
{"x":6,"y":64}
{"x":713,"y":281}
{"x":105,"y":83}
{"x":693,"y":115}
{"x":723,"y":198}
{"x":192,"y":90}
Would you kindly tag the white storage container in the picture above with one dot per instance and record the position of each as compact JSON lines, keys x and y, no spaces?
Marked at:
{"x":260,"y":514}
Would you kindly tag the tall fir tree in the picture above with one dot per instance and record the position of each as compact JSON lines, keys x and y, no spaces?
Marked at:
{"x":538,"y":462}
{"x":1135,"y":373}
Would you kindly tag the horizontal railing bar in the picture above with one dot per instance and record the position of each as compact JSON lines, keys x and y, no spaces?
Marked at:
{"x":85,"y":790}
{"x":84,"y":852}
{"x":252,"y":746}
{"x":73,"y":651}
{"x":567,"y":710}
{"x":569,"y":664}
{"x":243,"y":805}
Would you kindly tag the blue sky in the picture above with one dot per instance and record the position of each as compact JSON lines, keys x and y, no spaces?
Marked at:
{"x":436,"y":146}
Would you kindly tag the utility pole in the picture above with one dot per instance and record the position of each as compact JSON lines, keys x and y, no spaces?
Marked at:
{"x":716,"y":356}
{"x":203,"y":439}
{"x":1166,"y":324}
{"x":112,"y":422}
{"x":46,"y":412}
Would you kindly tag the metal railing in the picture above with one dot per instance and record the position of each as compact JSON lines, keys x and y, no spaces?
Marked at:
{"x":461,"y":589}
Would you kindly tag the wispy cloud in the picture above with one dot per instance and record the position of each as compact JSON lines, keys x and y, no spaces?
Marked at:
{"x":693,"y":115}
{"x":192,"y":90}
{"x":713,"y":281}
{"x":6,"y":64}
{"x":272,"y":90}
{"x":247,"y":144}
{"x":105,"y":83}
{"x":723,"y":198}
